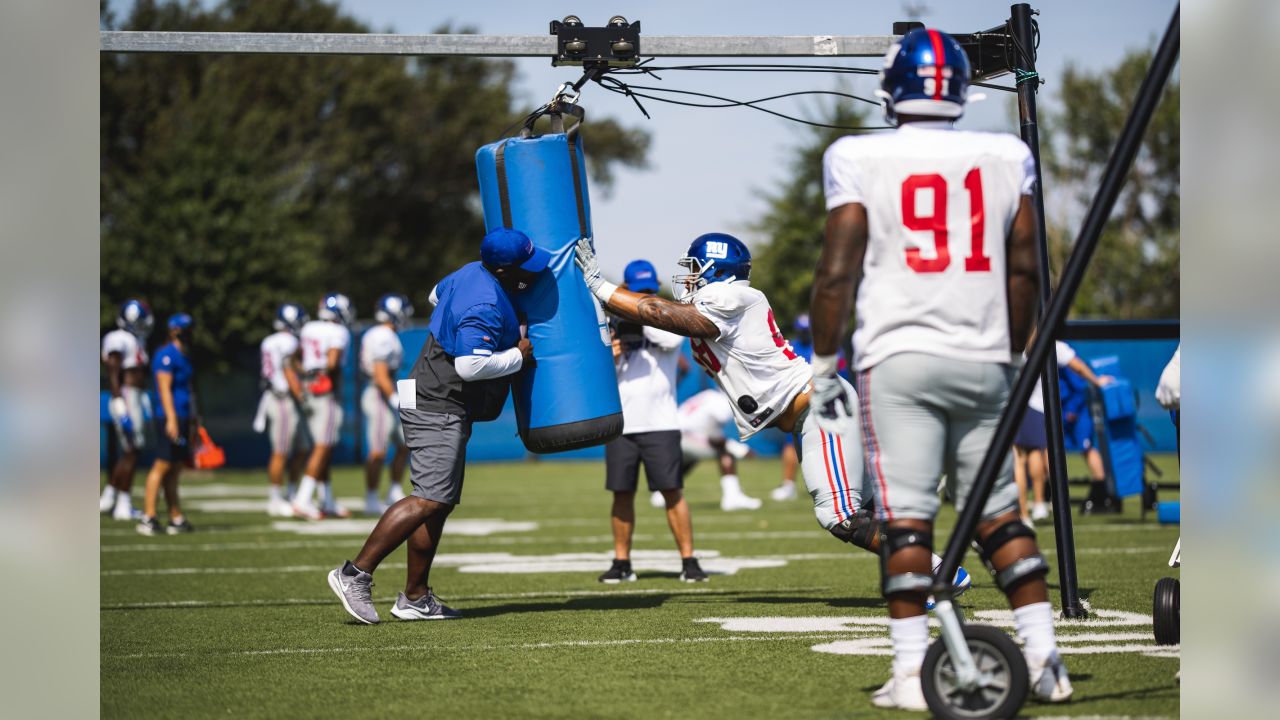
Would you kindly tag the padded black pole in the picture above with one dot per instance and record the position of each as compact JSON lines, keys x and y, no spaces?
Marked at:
{"x":1113,"y":179}
{"x":1064,"y":537}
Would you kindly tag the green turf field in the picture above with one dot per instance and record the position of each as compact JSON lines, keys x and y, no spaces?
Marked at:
{"x":237,"y":620}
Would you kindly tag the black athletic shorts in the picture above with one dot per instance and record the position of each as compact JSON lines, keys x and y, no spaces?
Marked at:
{"x":168,"y":450}
{"x":660,"y":453}
{"x":1031,"y":434}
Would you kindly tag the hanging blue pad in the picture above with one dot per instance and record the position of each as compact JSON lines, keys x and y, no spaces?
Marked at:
{"x":569,"y":398}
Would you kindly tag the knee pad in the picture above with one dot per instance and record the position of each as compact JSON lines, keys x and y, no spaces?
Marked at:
{"x":859,"y":530}
{"x":891,"y":541}
{"x":1019,"y":570}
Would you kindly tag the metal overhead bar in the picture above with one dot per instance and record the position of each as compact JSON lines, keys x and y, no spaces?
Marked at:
{"x":544,"y":46}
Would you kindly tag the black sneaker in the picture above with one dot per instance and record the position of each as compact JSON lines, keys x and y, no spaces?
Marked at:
{"x":619,"y":572}
{"x":150,"y":526}
{"x":178,"y":528}
{"x":693,"y":572}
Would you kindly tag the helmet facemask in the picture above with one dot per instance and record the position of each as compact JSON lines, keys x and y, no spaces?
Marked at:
{"x":685,"y":285}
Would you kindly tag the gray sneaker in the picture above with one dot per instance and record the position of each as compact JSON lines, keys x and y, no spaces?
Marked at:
{"x":427,"y":607}
{"x":355,"y":592}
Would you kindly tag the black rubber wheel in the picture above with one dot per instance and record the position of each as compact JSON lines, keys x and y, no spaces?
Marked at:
{"x":1166,"y":612}
{"x":1001,"y":695}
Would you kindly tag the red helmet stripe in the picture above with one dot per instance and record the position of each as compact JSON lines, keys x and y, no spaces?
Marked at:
{"x":939,"y":61}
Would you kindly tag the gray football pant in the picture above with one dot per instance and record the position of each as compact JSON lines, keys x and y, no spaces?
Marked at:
{"x":925,"y":415}
{"x":833,"y":469}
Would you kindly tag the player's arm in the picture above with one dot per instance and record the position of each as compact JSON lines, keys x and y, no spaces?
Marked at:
{"x":292,"y":376}
{"x":1023,"y":280}
{"x":115,"y":372}
{"x":382,"y":379}
{"x":164,"y":388}
{"x":642,"y":308}
{"x":1083,"y":370}
{"x":333,"y":357}
{"x":839,"y":271}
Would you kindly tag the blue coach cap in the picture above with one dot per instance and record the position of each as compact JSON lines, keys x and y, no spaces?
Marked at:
{"x":180,"y":321}
{"x":505,"y":247}
{"x":641,"y":276}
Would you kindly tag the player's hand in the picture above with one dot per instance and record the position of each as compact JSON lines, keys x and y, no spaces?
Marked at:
{"x":585,"y":257}
{"x":526,"y":350}
{"x":617,"y":347}
{"x":829,"y":401}
{"x":1105,"y":380}
{"x":171,"y":428}
{"x":393,"y":401}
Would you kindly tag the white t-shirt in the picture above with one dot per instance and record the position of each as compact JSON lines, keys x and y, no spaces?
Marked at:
{"x":277,"y":348}
{"x":705,"y":414}
{"x":940,"y":204}
{"x":132,"y":353}
{"x":647,"y":382}
{"x":317,"y":338}
{"x":1065,"y":355}
{"x":380,"y":343}
{"x":751,"y":361}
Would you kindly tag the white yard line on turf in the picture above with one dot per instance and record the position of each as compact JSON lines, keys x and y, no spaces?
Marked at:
{"x":175,"y":604}
{"x":473,"y":648}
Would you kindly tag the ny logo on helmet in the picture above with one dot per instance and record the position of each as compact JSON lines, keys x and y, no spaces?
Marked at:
{"x":716,"y":249}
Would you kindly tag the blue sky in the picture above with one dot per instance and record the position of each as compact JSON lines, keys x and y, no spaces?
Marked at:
{"x":710,"y":167}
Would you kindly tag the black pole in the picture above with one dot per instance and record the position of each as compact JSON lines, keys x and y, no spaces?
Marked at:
{"x":1064,"y":537}
{"x":1113,"y":179}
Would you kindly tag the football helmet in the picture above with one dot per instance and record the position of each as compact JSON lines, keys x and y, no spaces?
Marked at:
{"x":135,"y":316}
{"x":291,"y":317}
{"x":924,"y":73}
{"x":713,"y":257}
{"x":337,"y":308}
{"x":393,"y":308}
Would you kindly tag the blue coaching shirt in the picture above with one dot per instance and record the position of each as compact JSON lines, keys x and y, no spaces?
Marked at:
{"x":171,"y":360}
{"x":473,"y":316}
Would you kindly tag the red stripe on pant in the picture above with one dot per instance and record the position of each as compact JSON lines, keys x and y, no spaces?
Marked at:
{"x":869,"y":441}
{"x":831,"y":481}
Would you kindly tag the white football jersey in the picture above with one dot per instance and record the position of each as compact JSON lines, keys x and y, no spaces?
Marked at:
{"x":380,"y":343}
{"x":132,"y":353}
{"x":940,"y":204}
{"x":277,"y":348}
{"x":705,"y":414}
{"x":751,"y":361}
{"x":647,"y":381}
{"x":317,"y":338}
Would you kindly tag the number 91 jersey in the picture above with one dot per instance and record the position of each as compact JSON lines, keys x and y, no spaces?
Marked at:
{"x":940,"y":205}
{"x":751,"y":361}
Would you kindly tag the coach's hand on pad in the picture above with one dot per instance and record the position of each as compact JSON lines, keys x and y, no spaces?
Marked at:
{"x":830,"y":404}
{"x":585,"y":257}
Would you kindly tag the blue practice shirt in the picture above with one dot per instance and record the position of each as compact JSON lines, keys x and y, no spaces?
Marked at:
{"x":474,"y":316}
{"x":171,"y":360}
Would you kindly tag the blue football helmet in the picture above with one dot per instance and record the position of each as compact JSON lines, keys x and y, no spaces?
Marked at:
{"x":393,"y":308}
{"x":713,"y":257}
{"x":924,"y":73}
{"x":290,"y":317}
{"x":336,"y":307}
{"x":135,"y":316}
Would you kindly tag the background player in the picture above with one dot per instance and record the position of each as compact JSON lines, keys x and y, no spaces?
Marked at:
{"x":702,"y":421}
{"x":933,"y":230}
{"x":280,"y":408}
{"x":177,"y":427}
{"x":380,"y":357}
{"x":324,"y":344}
{"x":124,"y":353}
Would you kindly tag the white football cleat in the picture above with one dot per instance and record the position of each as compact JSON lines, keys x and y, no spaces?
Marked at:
{"x":280,"y":509}
{"x":374,"y":509}
{"x":657,"y":500}
{"x":739,"y":501}
{"x":395,"y":494}
{"x":108,"y":499}
{"x":785,"y":491}
{"x":124,"y":510}
{"x":903,"y":691}
{"x":307,"y":511}
{"x":1049,"y":681}
{"x":1039,"y":511}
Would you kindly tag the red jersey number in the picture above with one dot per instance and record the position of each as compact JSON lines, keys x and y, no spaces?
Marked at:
{"x":703,"y":356}
{"x":936,"y":222}
{"x":778,"y":338}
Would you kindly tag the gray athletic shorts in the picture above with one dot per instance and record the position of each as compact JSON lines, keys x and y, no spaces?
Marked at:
{"x":925,"y":415}
{"x":284,"y":424}
{"x":658,"y":450}
{"x":381,"y":424}
{"x":437,"y":445}
{"x":324,"y":418}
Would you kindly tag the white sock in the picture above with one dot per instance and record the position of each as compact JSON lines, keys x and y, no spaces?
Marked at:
{"x":124,"y":501}
{"x":370,"y":497}
{"x":292,"y":492}
{"x":326,"y":498}
{"x":306,"y":490}
{"x":109,"y":493}
{"x":1034,"y":625}
{"x":910,"y":638}
{"x":730,"y":486}
{"x":276,"y":495}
